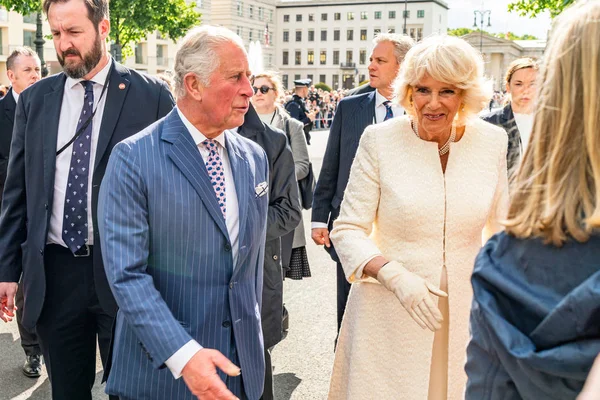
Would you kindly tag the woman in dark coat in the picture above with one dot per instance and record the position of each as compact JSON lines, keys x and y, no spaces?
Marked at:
{"x":535,"y":320}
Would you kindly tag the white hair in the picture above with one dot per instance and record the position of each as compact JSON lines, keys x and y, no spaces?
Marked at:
{"x":198,"y":54}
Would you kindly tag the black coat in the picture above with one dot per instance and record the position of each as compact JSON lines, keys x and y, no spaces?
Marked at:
{"x":366,"y":88}
{"x":133,"y":101}
{"x":7,"y":117}
{"x":284,"y":214}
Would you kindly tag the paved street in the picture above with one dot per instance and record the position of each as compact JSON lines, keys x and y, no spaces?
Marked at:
{"x":302,"y":361}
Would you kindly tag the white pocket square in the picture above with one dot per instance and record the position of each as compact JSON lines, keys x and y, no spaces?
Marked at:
{"x":261,"y":189}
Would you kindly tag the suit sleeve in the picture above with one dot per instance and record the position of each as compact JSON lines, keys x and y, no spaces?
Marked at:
{"x":299,"y":149}
{"x":165,"y":101}
{"x":124,"y":234}
{"x":352,"y":229}
{"x":13,"y":217}
{"x":284,"y":212}
{"x":328,"y":177}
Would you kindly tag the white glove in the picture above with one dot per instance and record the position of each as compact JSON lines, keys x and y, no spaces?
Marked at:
{"x":413,"y":293}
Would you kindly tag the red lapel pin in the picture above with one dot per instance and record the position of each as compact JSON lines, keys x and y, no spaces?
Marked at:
{"x":121,"y":86}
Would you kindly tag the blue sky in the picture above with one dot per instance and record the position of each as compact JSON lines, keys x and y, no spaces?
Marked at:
{"x":460,"y":15}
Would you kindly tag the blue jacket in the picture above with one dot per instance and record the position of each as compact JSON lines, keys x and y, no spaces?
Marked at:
{"x":535,"y":319}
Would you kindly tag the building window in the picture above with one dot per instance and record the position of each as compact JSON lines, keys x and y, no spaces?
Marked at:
{"x":336,"y":35}
{"x":362,"y":78}
{"x":336,"y":57}
{"x":28,"y":38}
{"x":285,"y":79}
{"x":139,"y":54}
{"x":161,"y":51}
{"x":270,"y":15}
{"x":362,"y":57}
{"x":323,"y":58}
{"x":323,"y":35}
{"x":251,"y":11}
{"x":311,"y":17}
{"x":310,"y":57}
{"x":335,"y":82}
{"x":298,"y":57}
{"x":30,"y":18}
{"x":298,"y":17}
{"x":376,"y":31}
{"x":298,"y":36}
{"x":296,"y":77}
{"x":311,"y":35}
{"x":349,"y":54}
{"x":310,"y":76}
{"x":286,"y":57}
{"x":261,"y":13}
{"x":420,"y":13}
{"x":324,"y":17}
{"x":363,"y":15}
{"x":406,"y":14}
{"x":363,"y":34}
{"x":350,"y":16}
{"x":392,"y":15}
{"x":322,"y":78}
{"x":350,"y":34}
{"x":391,"y":29}
{"x":240,"y":31}
{"x":286,"y":36}
{"x":377,"y":14}
{"x":337,"y":16}
{"x":419,"y":33}
{"x":412,"y":33}
{"x":240,"y":8}
{"x":250,"y":36}
{"x":3,"y":17}
{"x":286,"y":18}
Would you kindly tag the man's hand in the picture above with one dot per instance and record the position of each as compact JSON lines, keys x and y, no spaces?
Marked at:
{"x":200,"y":375}
{"x":313,"y":115}
{"x":8,"y":290}
{"x":320,"y":236}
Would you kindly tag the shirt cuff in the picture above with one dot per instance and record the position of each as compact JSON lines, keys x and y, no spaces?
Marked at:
{"x":314,"y":225}
{"x":181,"y":357}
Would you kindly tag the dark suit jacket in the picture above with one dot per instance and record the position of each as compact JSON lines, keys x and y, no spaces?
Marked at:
{"x":352,"y":116}
{"x":534,"y":320}
{"x":29,"y":190}
{"x":297,"y":109}
{"x":7,"y":117}
{"x":366,"y":88}
{"x":506,"y":119}
{"x":284,"y":214}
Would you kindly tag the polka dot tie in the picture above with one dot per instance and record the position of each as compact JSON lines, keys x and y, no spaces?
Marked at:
{"x":388,"y":110}
{"x":214,"y":166}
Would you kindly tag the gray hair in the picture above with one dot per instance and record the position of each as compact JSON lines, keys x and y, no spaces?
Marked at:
{"x":198,"y":54}
{"x":19,"y":51}
{"x":402,"y":43}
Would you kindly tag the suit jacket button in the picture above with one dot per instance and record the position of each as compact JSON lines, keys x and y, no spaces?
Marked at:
{"x":227,"y":247}
{"x":46,"y":206}
{"x":226,"y":324}
{"x":42,"y":251}
{"x":275,"y":257}
{"x":231,"y":285}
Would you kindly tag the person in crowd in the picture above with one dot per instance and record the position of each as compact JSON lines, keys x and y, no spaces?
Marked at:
{"x":298,"y":108}
{"x":351,"y":118}
{"x":421,"y":189}
{"x":3,"y":91}
{"x":65,"y":128}
{"x":534,"y":319}
{"x":267,"y":94}
{"x":23,"y":69}
{"x":517,"y":115}
{"x":183,"y":213}
{"x":284,"y":214}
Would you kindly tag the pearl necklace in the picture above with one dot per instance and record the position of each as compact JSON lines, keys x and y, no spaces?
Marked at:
{"x":446,"y":147}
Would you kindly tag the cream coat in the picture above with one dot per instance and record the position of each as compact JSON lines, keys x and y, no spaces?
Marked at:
{"x":401,"y":205}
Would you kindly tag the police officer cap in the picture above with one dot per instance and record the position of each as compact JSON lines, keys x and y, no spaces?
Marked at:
{"x":302,"y":82}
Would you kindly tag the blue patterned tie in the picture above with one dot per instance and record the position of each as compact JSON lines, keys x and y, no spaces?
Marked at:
{"x":214,"y":166}
{"x":75,"y":222}
{"x":388,"y":110}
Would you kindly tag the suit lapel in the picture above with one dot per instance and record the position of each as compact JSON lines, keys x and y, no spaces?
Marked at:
{"x":365,"y":113}
{"x":115,"y":97}
{"x":52,"y":106}
{"x":185,"y":155}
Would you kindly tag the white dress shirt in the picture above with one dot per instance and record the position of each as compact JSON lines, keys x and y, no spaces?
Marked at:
{"x":70,"y":110}
{"x":16,"y":95}
{"x":525,"y":124}
{"x":181,"y":357}
{"x":380,"y":112}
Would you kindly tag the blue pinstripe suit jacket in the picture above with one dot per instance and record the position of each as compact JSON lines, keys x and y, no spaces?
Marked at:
{"x":169,"y":263}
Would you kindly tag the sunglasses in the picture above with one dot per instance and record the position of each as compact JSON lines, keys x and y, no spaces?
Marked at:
{"x":264,"y":89}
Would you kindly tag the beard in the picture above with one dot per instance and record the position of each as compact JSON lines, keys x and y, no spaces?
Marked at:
{"x":88,"y":62}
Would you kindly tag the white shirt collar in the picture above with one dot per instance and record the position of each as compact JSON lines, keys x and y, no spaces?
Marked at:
{"x":379,"y":99}
{"x":15,"y":95}
{"x":99,"y":78}
{"x":196,"y":134}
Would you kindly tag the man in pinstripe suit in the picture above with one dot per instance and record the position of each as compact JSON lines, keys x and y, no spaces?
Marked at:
{"x":183,"y":211}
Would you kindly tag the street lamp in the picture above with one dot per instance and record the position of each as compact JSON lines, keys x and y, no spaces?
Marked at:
{"x":39,"y":43}
{"x":482,"y":13}
{"x":405,"y":15}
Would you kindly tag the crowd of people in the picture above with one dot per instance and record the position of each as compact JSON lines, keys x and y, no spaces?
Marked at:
{"x":157,"y":217}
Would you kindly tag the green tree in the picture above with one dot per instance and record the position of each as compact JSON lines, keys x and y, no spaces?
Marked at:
{"x":460,"y":31}
{"x":323,"y":86}
{"x":531,"y":8}
{"x":509,"y":35}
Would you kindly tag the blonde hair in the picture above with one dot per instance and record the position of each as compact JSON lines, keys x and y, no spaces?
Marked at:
{"x":556,"y":193}
{"x":402,"y":43}
{"x":272,"y":77}
{"x":450,"y":60}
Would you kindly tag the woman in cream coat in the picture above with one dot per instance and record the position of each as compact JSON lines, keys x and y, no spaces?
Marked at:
{"x":422,"y":189}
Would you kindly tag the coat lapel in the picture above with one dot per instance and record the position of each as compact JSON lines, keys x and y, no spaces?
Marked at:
{"x":115,"y":97}
{"x":10,"y":106}
{"x":185,"y":155}
{"x":52,"y":105}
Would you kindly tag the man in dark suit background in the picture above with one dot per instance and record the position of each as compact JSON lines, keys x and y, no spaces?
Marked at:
{"x":352,"y":116}
{"x":23,"y":70}
{"x":298,"y":109}
{"x":49,"y":221}
{"x":362,"y":89}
